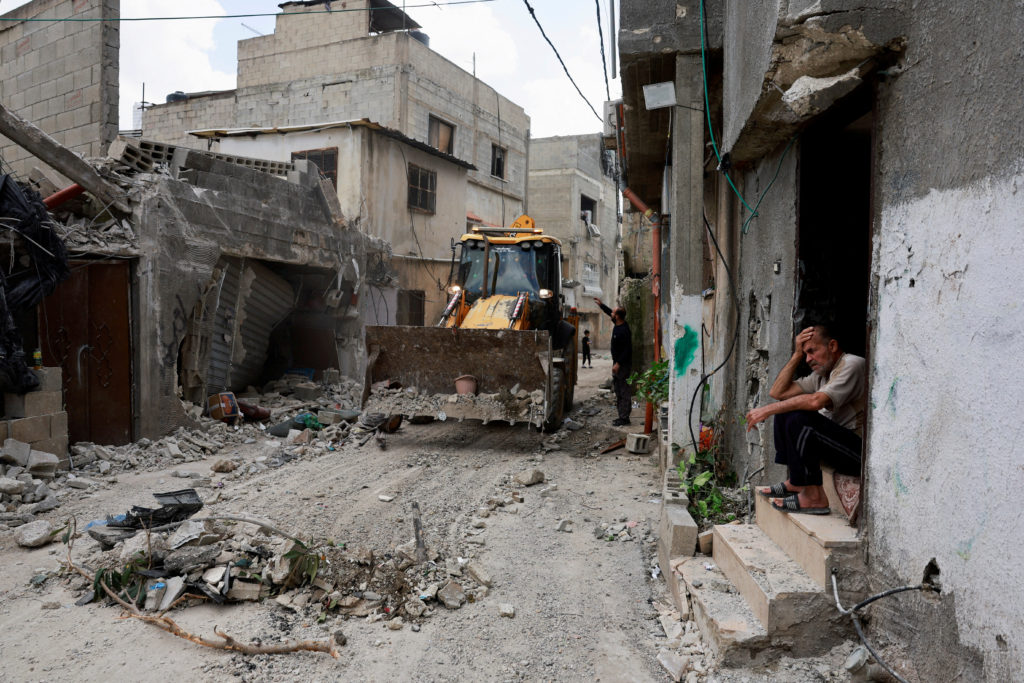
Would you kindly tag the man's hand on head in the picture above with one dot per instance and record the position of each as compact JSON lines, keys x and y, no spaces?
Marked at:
{"x":802,"y":337}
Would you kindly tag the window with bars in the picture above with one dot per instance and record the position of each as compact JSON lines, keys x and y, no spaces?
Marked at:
{"x":325,"y":159}
{"x":442,"y":135}
{"x":422,"y":189}
{"x":591,"y":278}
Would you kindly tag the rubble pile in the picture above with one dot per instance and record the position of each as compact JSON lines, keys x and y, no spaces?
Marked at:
{"x":28,"y":483}
{"x":514,"y":404}
{"x":223,"y":560}
{"x":81,"y":234}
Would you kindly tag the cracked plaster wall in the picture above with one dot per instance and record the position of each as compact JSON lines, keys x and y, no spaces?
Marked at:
{"x":945,"y":469}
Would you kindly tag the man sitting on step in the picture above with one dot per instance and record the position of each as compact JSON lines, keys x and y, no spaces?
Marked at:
{"x":818,"y":419}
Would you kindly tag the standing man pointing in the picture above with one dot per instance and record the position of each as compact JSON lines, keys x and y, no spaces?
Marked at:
{"x":622,"y":362}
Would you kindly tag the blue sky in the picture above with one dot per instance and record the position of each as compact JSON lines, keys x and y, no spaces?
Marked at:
{"x":511,"y":55}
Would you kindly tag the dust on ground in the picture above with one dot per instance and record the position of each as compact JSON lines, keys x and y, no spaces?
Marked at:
{"x":573,"y":556}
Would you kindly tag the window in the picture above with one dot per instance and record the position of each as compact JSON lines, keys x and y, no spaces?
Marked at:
{"x":325,"y":159}
{"x":411,"y":305}
{"x":422,"y":189}
{"x":498,"y":161}
{"x":591,"y":277}
{"x":442,"y":135}
{"x":588,"y":213}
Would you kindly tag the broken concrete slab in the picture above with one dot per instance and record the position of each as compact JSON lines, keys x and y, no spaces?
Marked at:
{"x":15,"y":452}
{"x":451,"y":595}
{"x":530,"y":477}
{"x":34,"y":534}
{"x":676,"y":665}
{"x":677,"y":535}
{"x":42,"y":464}
{"x":11,"y":487}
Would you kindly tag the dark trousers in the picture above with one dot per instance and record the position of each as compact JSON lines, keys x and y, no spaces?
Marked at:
{"x":805,"y":439}
{"x":586,"y":355}
{"x":623,"y":392}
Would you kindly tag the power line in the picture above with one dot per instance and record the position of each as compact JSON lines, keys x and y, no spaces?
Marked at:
{"x":236,"y":16}
{"x":604,"y":64}
{"x":564,"y":67}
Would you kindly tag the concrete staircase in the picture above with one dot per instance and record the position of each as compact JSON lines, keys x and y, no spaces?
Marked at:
{"x":766,"y":590}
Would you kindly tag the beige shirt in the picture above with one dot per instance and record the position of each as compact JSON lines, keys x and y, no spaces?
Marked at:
{"x":846,"y":386}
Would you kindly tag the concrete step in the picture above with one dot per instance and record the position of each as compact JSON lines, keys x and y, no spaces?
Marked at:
{"x":677,"y":536}
{"x":730,"y":630}
{"x":787,"y":602}
{"x":818,"y":543}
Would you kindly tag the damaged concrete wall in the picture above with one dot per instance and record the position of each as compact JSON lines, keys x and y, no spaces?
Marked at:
{"x":794,"y":60}
{"x":61,"y":75}
{"x":766,"y":299}
{"x":944,"y":463}
{"x":186,"y":227}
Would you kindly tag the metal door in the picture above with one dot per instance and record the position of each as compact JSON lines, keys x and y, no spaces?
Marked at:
{"x":84,"y":327}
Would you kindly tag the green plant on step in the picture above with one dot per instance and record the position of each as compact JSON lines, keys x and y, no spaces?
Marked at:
{"x":652,"y":383}
{"x":701,"y":474}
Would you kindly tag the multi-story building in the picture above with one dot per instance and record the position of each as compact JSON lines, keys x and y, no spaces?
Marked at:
{"x":571,"y":195}
{"x":417,"y":147}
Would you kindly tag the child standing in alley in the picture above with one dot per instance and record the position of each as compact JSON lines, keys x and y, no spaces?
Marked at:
{"x":587,"y":363}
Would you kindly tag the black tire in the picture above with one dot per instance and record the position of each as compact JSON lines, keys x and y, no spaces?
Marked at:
{"x":557,"y":406}
{"x":570,"y":383}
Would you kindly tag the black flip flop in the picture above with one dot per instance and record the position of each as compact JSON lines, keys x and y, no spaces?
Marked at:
{"x":792,"y":504}
{"x":776,"y":491}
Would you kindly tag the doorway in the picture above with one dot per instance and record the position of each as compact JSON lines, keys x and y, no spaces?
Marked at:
{"x":84,"y":327}
{"x":834,"y":243}
{"x":834,"y":235}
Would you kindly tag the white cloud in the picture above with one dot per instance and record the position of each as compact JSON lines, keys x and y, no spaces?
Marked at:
{"x":167,"y":55}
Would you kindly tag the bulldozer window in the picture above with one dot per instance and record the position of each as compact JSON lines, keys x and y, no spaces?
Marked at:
{"x":512,"y":269}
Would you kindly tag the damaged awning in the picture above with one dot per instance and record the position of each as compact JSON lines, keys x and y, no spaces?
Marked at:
{"x":217,"y":133}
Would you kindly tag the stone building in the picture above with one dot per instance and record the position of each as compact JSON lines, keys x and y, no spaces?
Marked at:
{"x":858,"y":161}
{"x":572,"y":196}
{"x":192,"y":272}
{"x":61,"y":74}
{"x":364,"y":88}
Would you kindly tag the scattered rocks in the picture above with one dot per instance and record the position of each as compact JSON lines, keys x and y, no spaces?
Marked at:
{"x":676,"y":665}
{"x":565,"y":525}
{"x":479,"y":574}
{"x":11,"y":487}
{"x":506,"y":610}
{"x":224,"y":465}
{"x":384,"y":498}
{"x":530,"y":477}
{"x":451,"y":595}
{"x":34,"y":534}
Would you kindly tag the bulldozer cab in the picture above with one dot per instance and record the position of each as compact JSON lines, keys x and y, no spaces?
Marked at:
{"x":503,"y":328}
{"x":510,"y":262}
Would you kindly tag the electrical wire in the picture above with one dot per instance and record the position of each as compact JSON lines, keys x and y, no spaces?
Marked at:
{"x":233,"y":16}
{"x":604,"y":63}
{"x":855,"y":617}
{"x":564,"y":67}
{"x":752,"y":216}
{"x":732,"y":344}
{"x":707,"y":109}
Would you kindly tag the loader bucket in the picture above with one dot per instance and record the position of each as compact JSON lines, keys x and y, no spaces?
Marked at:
{"x":425,"y":361}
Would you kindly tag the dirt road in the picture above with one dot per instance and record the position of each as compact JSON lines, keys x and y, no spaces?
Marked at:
{"x":582,"y":604}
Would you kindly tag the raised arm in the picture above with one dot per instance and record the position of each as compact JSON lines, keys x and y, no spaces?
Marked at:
{"x":601,"y":305}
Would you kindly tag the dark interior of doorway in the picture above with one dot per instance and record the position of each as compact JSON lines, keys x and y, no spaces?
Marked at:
{"x":834,"y":247}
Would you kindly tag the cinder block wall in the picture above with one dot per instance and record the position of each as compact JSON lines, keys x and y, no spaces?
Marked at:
{"x":61,"y":75}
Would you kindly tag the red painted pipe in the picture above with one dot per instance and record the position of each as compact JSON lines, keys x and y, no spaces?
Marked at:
{"x":65,"y":195}
{"x":655,"y":220}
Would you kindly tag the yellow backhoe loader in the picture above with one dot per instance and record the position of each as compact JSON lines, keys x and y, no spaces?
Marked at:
{"x":504,"y":335}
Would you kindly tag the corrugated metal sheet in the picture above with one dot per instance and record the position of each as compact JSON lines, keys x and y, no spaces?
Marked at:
{"x":253,"y":300}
